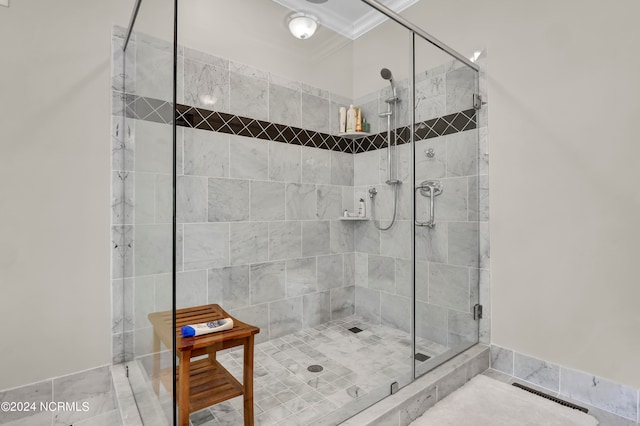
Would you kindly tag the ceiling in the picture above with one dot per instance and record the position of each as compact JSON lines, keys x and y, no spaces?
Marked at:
{"x":349,"y":18}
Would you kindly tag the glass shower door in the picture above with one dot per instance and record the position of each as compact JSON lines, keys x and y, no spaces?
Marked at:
{"x":447,"y":249}
{"x":149,"y":110}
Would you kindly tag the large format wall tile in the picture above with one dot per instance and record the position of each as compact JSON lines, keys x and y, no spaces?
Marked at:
{"x":206,"y":245}
{"x":342,"y":236}
{"x":301,"y":201}
{"x":285,"y":162}
{"x":191,"y":289}
{"x":329,"y":202}
{"x":316,"y":309}
{"x":154,"y":68}
{"x":382,"y":273}
{"x":228,"y":200}
{"x":461,"y":85}
{"x":431,"y":244}
{"x":396,"y":312}
{"x":267,"y":282}
{"x":285,"y":317}
{"x":285,"y":240}
{"x":267,"y":200}
{"x":206,"y":85}
{"x":249,"y":242}
{"x":248,"y":96}
{"x":302,"y":276}
{"x":316,"y":238}
{"x":431,"y":322}
{"x":316,"y":165}
{"x":464,"y":246}
{"x":153,"y":246}
{"x":342,"y":302}
{"x":341,"y":168}
{"x":206,"y":153}
{"x":368,"y":304}
{"x":449,"y":286}
{"x":330,"y":272}
{"x":230,"y":286}
{"x":154,"y":147}
{"x":462,"y":153}
{"x":256,"y":315}
{"x":191,"y":193}
{"x":284,"y":105}
{"x":249,"y":158}
{"x":315,"y":113}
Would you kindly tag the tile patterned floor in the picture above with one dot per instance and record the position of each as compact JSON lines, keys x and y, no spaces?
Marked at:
{"x":354,"y":366}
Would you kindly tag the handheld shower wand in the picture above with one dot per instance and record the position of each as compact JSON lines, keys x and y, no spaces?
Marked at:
{"x":392,"y":179}
{"x":386,"y":74}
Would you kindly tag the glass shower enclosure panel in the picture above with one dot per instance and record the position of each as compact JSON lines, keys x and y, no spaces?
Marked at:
{"x":149,"y":113}
{"x":447,"y":252}
{"x":261,"y":196}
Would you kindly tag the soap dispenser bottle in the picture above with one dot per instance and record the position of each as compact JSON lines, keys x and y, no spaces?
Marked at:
{"x":351,"y":119}
{"x":362,"y":208}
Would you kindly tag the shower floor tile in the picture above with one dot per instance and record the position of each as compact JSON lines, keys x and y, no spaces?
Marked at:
{"x":355,"y":368}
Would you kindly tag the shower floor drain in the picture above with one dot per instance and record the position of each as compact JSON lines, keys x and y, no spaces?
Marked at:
{"x":315,"y":368}
{"x":355,"y":330}
{"x":421,"y":357}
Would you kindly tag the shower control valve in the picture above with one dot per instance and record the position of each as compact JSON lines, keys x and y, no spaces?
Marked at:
{"x":372,"y":192}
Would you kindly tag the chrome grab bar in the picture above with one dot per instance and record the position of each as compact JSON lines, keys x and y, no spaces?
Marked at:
{"x":430,"y":188}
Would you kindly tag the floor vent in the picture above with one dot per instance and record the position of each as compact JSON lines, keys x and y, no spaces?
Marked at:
{"x":355,"y":330}
{"x":551,"y":398}
{"x":421,"y":357}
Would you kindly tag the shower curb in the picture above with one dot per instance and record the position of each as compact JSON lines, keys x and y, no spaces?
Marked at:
{"x":414,"y":399}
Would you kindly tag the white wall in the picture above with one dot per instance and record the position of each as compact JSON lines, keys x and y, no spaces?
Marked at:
{"x":55,"y":147}
{"x":564,"y":155}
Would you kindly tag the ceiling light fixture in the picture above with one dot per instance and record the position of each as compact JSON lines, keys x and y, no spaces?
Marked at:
{"x":302,"y":26}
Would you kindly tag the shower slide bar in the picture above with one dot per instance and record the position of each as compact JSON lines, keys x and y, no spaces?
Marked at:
{"x":430,"y":188}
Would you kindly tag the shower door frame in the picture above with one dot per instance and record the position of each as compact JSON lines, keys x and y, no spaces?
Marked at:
{"x":419,"y":32}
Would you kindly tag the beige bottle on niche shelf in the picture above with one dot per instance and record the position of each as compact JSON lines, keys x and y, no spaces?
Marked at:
{"x":351,"y":119}
{"x":343,"y":120}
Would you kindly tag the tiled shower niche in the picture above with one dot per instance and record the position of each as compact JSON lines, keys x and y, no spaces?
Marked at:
{"x":259,"y":228}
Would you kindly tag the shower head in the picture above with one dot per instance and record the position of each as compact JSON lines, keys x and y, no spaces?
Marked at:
{"x":385,"y":73}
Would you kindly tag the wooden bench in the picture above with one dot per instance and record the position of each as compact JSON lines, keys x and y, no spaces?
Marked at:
{"x":204,"y":382}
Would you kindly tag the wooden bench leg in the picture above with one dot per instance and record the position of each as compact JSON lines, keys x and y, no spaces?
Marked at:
{"x":183,"y":388}
{"x":155,"y":375}
{"x":247,"y":378}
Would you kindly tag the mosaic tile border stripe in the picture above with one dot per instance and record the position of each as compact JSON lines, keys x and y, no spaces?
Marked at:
{"x":159,"y":111}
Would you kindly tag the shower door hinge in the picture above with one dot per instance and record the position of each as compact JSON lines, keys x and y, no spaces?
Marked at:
{"x":477,"y":101}
{"x":477,"y":312}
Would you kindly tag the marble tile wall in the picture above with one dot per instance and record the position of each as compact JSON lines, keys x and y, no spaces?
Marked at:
{"x":566,"y":383}
{"x":258,"y":221}
{"x":259,"y":229}
{"x":452,"y":257}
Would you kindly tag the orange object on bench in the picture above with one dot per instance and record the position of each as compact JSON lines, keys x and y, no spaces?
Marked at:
{"x":204,"y":382}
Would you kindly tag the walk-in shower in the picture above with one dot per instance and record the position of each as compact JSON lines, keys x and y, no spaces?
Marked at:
{"x":238,"y":176}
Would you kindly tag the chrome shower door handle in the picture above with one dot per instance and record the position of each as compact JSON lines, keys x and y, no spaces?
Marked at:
{"x":430,"y":188}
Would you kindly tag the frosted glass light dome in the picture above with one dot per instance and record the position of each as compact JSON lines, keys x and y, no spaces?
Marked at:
{"x":302,"y":26}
